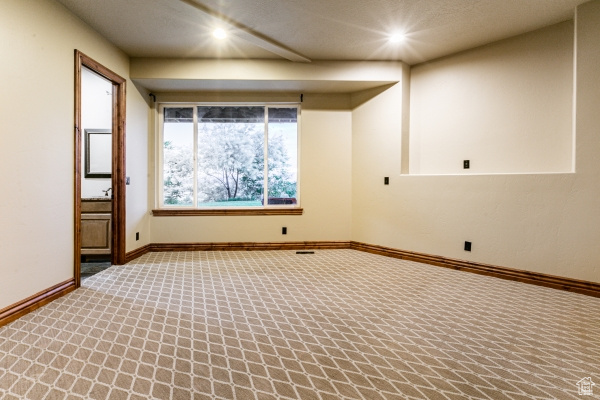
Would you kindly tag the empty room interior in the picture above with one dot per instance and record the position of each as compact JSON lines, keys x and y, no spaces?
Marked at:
{"x":345,"y":199}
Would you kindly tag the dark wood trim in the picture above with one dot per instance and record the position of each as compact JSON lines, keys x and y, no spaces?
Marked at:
{"x":169,"y":212}
{"x":100,"y":69}
{"x":535,"y":278}
{"x":132,"y":255}
{"x":236,"y":246}
{"x":118,"y":167}
{"x":77,"y":173}
{"x":118,"y":176}
{"x":249,"y":246}
{"x":36,"y":301}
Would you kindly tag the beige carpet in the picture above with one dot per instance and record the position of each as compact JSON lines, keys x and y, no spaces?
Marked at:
{"x":278,"y":325}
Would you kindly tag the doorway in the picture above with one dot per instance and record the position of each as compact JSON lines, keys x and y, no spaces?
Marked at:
{"x":103,"y":211}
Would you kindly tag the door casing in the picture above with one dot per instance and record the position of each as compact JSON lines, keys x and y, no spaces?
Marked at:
{"x":118,"y":161}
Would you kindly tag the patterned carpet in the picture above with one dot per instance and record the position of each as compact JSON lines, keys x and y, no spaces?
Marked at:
{"x":278,"y":325}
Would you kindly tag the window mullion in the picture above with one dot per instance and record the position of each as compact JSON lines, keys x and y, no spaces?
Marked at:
{"x":160,"y":167}
{"x":195,"y":157}
{"x":266,"y":159}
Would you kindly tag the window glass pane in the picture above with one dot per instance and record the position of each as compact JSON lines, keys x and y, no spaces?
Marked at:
{"x":283,"y":115}
{"x":230,"y":156}
{"x":231,"y":114}
{"x":283,"y":155}
{"x":183,"y":115}
{"x":178,"y":154}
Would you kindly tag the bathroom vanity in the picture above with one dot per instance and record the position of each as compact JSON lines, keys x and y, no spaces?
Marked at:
{"x":96,"y":226}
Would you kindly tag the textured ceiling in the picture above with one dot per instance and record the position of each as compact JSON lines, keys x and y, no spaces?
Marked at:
{"x":304,"y":30}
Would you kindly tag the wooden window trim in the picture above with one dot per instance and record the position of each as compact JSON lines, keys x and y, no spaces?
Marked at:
{"x":166,"y":212}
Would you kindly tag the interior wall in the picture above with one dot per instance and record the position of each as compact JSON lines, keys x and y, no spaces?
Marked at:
{"x":37,"y":151}
{"x":96,"y":113}
{"x":506,"y":107}
{"x":325,"y":183}
{"x":545,"y":223}
{"x":137,"y":166}
{"x":376,"y":154}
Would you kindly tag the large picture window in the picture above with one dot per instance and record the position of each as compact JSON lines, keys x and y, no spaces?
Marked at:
{"x":224,"y":156}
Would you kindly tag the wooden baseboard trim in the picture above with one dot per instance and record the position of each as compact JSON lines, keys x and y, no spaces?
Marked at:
{"x":36,"y":301}
{"x":236,"y":246}
{"x":132,"y":255}
{"x":535,"y":278}
{"x":249,"y":246}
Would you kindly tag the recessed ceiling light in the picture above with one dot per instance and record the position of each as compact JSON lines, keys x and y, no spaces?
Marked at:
{"x":220,"y":33}
{"x":397,"y":38}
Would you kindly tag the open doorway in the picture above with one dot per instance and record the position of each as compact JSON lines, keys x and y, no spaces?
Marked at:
{"x":99,"y":164}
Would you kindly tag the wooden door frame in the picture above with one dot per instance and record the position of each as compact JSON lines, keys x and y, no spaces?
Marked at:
{"x":118,"y":160}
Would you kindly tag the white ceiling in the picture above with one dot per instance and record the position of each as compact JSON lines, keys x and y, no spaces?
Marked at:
{"x":304,"y":30}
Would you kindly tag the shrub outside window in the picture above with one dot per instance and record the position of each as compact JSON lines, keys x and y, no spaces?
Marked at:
{"x":227,"y":156}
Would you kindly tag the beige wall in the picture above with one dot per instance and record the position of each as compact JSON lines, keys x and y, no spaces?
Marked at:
{"x":506,"y":107}
{"x":538,"y":222}
{"x":376,"y":154}
{"x":137,"y":166}
{"x":36,"y":154}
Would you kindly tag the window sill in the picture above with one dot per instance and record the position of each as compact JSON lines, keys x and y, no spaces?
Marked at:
{"x":169,"y":212}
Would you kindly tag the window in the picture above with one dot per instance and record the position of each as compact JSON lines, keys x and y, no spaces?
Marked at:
{"x":228,"y":156}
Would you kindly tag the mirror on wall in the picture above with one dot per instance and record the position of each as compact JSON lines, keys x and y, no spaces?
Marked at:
{"x":98,"y":147}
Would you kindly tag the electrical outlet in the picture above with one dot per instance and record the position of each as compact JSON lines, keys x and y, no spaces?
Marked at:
{"x":386,"y":180}
{"x":466,"y":164}
{"x":467,"y":246}
{"x":284,"y":231}
{"x":137,"y":236}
